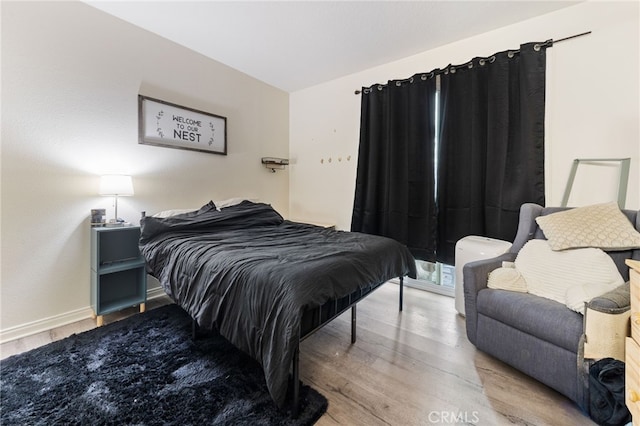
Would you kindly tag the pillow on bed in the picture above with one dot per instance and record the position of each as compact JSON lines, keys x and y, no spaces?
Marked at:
{"x":219,"y":205}
{"x":601,"y":225}
{"x":168,"y":213}
{"x":232,"y":202}
{"x":554,"y":274}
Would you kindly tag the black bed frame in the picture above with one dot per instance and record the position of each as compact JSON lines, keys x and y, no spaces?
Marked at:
{"x":316,"y":318}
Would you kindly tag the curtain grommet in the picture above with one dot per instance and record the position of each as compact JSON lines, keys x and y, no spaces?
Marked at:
{"x":398,"y":83}
{"x":536,"y":47}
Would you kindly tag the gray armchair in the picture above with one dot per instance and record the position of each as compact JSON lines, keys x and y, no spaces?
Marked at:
{"x":538,"y":336}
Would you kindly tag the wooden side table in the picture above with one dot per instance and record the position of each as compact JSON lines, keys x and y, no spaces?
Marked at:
{"x":118,"y":273}
{"x":632,"y":348}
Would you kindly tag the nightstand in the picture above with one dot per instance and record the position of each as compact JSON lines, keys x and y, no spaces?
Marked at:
{"x":118,"y":273}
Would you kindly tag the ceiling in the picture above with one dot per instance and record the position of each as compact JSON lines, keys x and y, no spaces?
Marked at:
{"x":293,"y":45}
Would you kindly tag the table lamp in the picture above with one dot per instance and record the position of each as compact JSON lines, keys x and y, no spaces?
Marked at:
{"x":116,"y":185}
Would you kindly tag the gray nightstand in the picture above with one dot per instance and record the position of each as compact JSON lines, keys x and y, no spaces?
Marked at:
{"x":118,"y":274}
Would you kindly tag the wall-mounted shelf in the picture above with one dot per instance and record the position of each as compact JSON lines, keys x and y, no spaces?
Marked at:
{"x":274,"y":163}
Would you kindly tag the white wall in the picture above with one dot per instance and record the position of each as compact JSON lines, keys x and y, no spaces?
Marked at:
{"x":592,"y":108}
{"x":70,"y":80}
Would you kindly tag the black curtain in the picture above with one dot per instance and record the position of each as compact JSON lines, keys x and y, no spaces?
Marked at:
{"x":491,"y":152}
{"x":395,"y":188}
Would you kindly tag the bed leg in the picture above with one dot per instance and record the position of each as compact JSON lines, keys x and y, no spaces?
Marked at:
{"x":353,"y":324}
{"x":296,"y":383}
{"x":401,"y":288}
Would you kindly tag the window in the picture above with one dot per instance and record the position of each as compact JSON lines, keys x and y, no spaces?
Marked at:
{"x":437,"y":277}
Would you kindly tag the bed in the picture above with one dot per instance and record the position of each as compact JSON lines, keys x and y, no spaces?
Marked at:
{"x":265,"y":283}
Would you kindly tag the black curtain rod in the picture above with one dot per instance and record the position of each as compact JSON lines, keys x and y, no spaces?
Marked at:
{"x":570,"y":37}
{"x":552,"y":42}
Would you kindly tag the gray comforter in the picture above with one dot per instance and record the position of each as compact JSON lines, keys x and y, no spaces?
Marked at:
{"x":250,"y":274}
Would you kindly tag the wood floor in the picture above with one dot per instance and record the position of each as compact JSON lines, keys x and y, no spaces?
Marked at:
{"x":411,"y":368}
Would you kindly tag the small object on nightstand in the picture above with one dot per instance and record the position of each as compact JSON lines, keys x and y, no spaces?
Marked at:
{"x":118,"y":272}
{"x":98,"y":217}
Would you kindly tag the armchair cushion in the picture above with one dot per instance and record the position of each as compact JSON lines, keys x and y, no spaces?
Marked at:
{"x":600,"y":225}
{"x":533,"y":315}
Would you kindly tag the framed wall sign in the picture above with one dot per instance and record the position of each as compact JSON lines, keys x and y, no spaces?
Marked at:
{"x":165,"y":124}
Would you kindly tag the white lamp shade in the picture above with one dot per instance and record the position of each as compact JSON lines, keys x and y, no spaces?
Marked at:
{"x":116,"y":185}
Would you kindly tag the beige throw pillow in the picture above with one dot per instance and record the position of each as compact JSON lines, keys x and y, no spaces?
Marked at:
{"x":601,"y":225}
{"x":507,"y":278}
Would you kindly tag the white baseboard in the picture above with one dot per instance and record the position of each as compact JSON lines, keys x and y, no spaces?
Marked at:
{"x":46,"y":324}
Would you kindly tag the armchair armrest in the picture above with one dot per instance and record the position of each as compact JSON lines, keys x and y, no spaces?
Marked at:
{"x":612,"y":302}
{"x":475,"y":276}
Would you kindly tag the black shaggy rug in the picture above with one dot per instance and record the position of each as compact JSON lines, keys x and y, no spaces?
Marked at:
{"x":143,"y":370}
